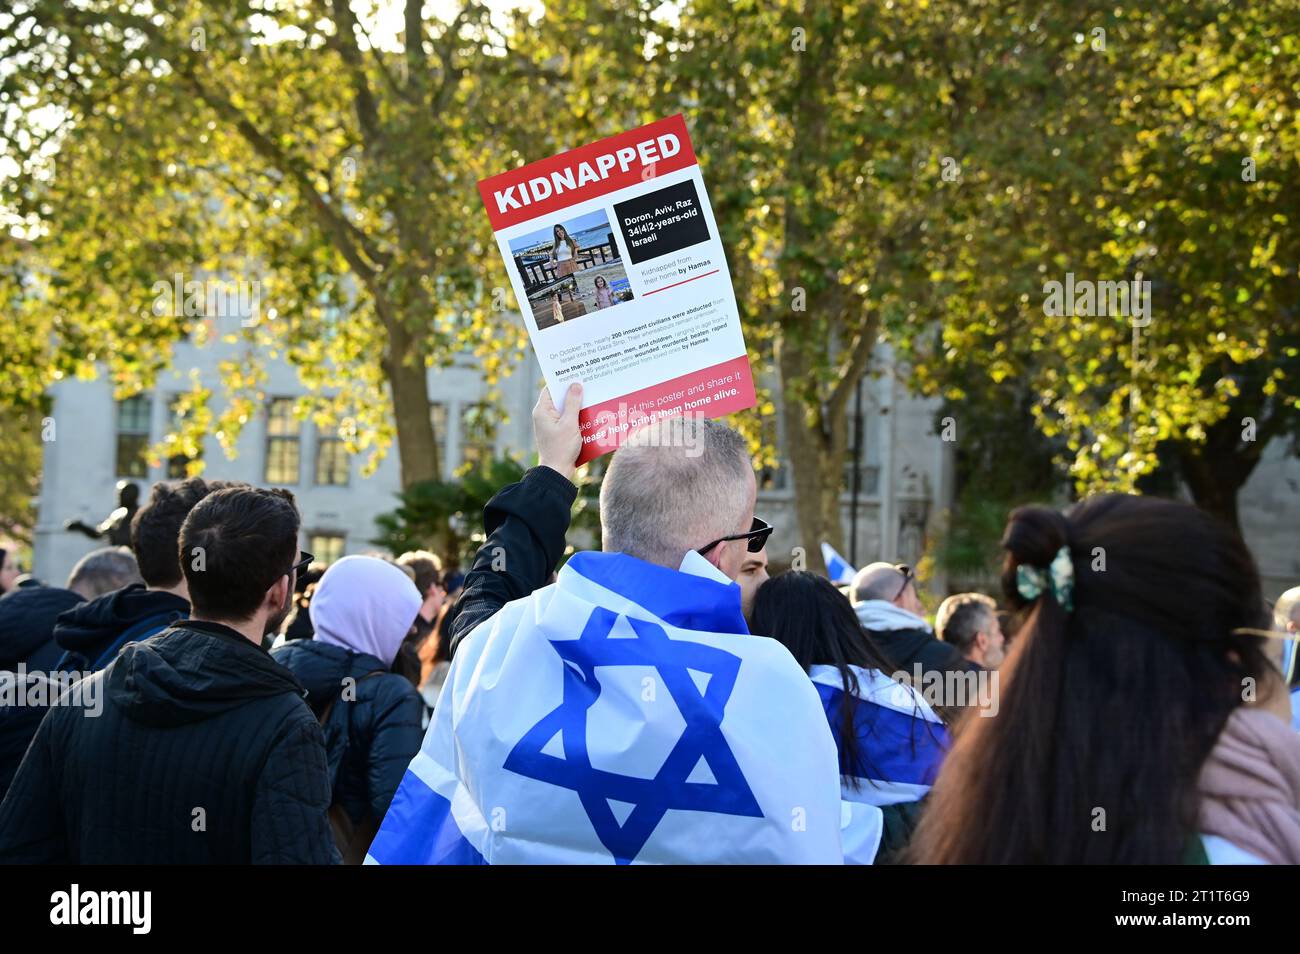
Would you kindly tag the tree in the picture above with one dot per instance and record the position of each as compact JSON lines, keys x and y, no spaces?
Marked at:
{"x":853,"y":150}
{"x":1180,"y":178}
{"x":441,"y":515}
{"x":278,"y":145}
{"x":444,"y":515}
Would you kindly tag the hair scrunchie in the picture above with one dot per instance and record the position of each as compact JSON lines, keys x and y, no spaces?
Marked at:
{"x":1032,"y":582}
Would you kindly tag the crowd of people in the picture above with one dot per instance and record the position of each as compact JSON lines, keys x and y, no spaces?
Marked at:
{"x":209,"y":694}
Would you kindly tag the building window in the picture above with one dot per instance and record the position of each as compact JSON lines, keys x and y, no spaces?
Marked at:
{"x":133,"y":436}
{"x":282,"y":442}
{"x":178,"y":464}
{"x":477,"y":435}
{"x":333,"y":463}
{"x":441,"y":433}
{"x":327,"y":548}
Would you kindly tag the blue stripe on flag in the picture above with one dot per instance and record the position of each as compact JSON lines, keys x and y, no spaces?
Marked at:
{"x":897,"y":746}
{"x":419,"y":830}
{"x":679,"y":599}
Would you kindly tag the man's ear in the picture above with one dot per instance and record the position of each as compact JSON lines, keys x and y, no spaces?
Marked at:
{"x":277,"y":594}
{"x":714,"y":555}
{"x":982,"y":641}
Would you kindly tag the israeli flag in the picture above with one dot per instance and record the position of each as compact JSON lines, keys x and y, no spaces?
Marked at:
{"x":837,"y":568}
{"x":623,"y":714}
{"x":901,"y":741}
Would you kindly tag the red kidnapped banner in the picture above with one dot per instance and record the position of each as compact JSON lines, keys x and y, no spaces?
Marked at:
{"x":551,"y":185}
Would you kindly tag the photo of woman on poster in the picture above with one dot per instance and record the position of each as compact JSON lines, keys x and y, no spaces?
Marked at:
{"x":564,"y":253}
{"x":570,"y":268}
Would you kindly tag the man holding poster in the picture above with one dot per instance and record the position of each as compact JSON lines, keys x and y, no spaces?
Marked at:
{"x":623,"y":227}
{"x":623,"y":713}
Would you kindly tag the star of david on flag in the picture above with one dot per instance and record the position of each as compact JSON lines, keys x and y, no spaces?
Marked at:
{"x":680,"y":665}
{"x":624,"y":715}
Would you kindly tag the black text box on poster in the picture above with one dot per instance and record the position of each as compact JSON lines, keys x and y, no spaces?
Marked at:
{"x":661,"y":222}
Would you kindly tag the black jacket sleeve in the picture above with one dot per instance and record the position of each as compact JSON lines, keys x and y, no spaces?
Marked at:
{"x":525,"y":525}
{"x":31,"y":823}
{"x":291,"y":806}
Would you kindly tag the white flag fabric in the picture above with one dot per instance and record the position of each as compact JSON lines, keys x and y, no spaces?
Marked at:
{"x":838,"y":569}
{"x":623,"y":714}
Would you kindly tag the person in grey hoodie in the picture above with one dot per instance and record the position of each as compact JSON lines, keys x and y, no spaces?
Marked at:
{"x":888,"y":607}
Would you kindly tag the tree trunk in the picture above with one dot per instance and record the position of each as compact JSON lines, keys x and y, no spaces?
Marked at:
{"x":407,"y":378}
{"x":1216,"y":469}
{"x":1213,"y":482}
{"x":814,"y":445}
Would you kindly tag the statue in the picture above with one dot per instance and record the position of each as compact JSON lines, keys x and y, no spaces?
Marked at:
{"x":117,"y":525}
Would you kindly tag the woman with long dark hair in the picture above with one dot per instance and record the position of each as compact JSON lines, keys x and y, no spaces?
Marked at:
{"x":564,"y":254}
{"x":1141,"y":720}
{"x":890,"y":741}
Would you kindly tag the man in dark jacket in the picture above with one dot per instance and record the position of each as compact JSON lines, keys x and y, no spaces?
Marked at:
{"x":92,"y":634}
{"x":28,"y":651}
{"x":193,"y":746}
{"x":889,"y":609}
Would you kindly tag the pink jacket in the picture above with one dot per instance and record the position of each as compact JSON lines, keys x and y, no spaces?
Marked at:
{"x":1250,"y":786}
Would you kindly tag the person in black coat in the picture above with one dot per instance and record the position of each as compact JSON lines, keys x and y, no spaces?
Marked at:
{"x":193,"y":746}
{"x":28,"y":652}
{"x":889,"y":609}
{"x":362,"y":610}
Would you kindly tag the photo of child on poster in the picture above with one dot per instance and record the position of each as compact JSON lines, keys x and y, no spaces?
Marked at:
{"x":571,"y":268}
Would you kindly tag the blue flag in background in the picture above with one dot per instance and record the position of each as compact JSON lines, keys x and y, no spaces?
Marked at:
{"x":837,"y":568}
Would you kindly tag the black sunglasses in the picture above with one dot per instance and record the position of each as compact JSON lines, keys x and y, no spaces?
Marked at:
{"x":757,"y":536}
{"x":908,"y":577}
{"x":302,"y":564}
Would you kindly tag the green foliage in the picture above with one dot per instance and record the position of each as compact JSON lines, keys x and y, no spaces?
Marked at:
{"x":339,"y":173}
{"x":21,"y":442}
{"x":445,"y":517}
{"x":267,"y":143}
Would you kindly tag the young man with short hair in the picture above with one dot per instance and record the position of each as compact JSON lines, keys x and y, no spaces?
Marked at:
{"x":195,"y":746}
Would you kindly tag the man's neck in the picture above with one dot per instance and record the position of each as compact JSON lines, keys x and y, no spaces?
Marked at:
{"x":251,"y":629}
{"x":180,"y":589}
